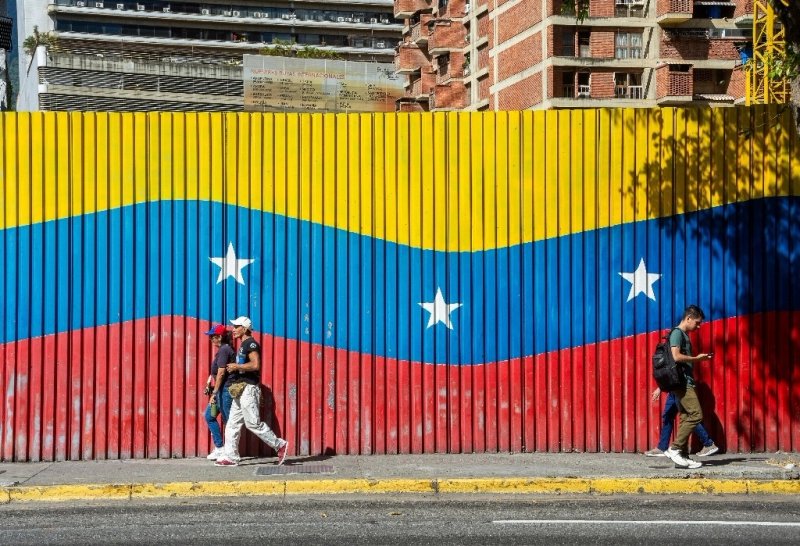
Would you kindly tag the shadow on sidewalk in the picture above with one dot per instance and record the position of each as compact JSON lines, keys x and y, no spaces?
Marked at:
{"x":707,"y":461}
{"x":290,"y":461}
{"x":309,"y":459}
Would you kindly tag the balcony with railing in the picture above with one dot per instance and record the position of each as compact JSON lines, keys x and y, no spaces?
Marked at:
{"x":420,"y":31}
{"x":409,"y":59}
{"x":449,"y":96}
{"x":453,"y":71}
{"x":714,"y":86}
{"x":446,"y":36}
{"x":674,"y":11}
{"x":405,"y":9}
{"x":633,"y":92}
{"x":674,"y":84}
{"x":568,"y":91}
{"x":422,"y":86}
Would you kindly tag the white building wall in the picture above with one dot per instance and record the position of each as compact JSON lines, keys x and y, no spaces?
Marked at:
{"x":4,"y":98}
{"x":30,"y":13}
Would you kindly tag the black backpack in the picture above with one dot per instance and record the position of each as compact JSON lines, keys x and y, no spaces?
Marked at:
{"x":667,"y":373}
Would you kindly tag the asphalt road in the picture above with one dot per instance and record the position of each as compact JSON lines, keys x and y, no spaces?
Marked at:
{"x":371,"y":520}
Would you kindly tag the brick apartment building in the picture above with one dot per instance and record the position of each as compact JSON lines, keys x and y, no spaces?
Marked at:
{"x":535,"y":54}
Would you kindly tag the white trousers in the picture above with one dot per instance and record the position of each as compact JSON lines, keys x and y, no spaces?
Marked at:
{"x":246,"y":410}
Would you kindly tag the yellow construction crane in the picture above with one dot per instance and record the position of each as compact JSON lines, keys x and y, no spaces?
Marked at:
{"x":769,"y":43}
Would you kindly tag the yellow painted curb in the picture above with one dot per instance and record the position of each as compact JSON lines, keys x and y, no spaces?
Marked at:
{"x":515,"y":485}
{"x":360,"y":486}
{"x":69,"y":492}
{"x":776,"y":487}
{"x":206,"y":489}
{"x":522,"y":486}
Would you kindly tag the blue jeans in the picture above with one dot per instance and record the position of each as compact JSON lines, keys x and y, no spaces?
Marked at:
{"x":668,"y":423}
{"x":224,"y":404}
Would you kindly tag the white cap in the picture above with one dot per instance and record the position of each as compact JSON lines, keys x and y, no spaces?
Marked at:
{"x":243,"y":321}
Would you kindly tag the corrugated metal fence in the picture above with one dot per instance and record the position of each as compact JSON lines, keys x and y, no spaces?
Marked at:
{"x":420,"y":283}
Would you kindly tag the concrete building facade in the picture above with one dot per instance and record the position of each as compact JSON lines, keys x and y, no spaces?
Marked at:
{"x":535,"y":54}
{"x":132,"y":55}
{"x":6,"y":27}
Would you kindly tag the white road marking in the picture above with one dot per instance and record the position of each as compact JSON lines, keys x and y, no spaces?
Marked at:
{"x":650,"y":522}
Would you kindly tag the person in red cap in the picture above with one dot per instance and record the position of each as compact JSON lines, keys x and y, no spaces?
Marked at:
{"x":221,"y":339}
{"x":246,"y":392}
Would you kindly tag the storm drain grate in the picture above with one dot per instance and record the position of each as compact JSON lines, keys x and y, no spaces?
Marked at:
{"x":292,"y":469}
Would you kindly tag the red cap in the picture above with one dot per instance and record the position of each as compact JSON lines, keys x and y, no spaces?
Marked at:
{"x":217,"y":330}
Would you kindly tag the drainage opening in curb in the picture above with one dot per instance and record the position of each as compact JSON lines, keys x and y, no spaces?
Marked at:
{"x":292,"y":469}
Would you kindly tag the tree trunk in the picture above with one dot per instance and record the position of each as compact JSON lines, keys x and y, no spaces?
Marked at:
{"x":795,"y":102}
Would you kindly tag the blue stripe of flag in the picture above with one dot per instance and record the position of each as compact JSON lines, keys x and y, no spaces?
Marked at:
{"x":327,"y":286}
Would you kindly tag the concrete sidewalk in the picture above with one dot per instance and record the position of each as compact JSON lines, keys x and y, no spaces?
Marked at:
{"x":528,"y":473}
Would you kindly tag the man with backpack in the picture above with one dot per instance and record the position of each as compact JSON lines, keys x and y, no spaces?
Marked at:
{"x":668,"y":423}
{"x":688,"y":404}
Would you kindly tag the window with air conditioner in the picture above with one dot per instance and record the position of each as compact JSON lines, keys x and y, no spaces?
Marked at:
{"x":258,"y":14}
{"x":340,"y":19}
{"x":236,"y":13}
{"x":380,"y":45}
{"x":227,"y":13}
{"x":205,"y":12}
{"x":80,"y":4}
{"x":139,"y":7}
{"x":120,"y":6}
{"x":286,"y":16}
{"x":99,"y":5}
{"x":165,"y":9}
{"x":373,"y":20}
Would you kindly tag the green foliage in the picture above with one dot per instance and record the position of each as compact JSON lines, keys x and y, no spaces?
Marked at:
{"x":579,"y":8}
{"x":33,"y":41}
{"x":784,"y":66}
{"x":281,"y":48}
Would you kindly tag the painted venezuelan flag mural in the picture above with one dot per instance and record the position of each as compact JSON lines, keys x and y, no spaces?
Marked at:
{"x":420,"y":283}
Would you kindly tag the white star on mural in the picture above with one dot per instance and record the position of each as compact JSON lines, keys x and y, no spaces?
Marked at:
{"x":641,"y":282}
{"x":230,"y":265}
{"x":439,"y":310}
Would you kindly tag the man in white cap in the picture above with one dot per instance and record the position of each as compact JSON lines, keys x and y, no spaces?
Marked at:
{"x":246,"y":392}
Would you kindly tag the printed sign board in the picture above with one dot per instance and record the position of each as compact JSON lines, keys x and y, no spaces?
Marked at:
{"x":288,"y":84}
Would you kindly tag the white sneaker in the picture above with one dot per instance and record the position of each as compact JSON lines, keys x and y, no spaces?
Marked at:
{"x":224,"y":461}
{"x":681,"y":461}
{"x":216,"y":454}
